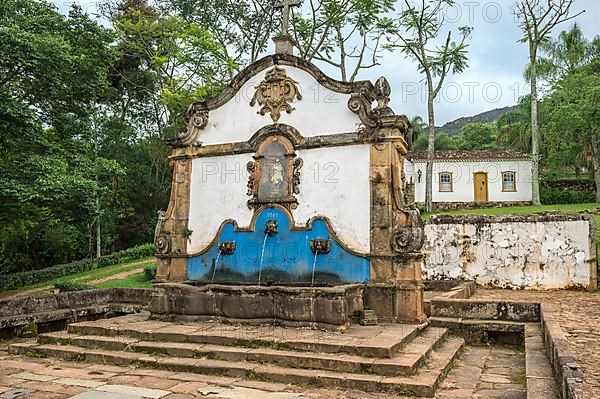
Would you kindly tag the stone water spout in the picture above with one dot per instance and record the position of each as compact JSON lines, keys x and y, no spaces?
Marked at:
{"x":226,"y":247}
{"x":271,"y":228}
{"x":320,"y":245}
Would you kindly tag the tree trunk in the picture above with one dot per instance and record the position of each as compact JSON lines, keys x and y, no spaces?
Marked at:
{"x":535,"y":133}
{"x":98,"y":232}
{"x":430,"y":153}
{"x":596,"y":165}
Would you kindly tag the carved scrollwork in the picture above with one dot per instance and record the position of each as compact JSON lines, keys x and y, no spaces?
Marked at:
{"x":298,"y":162}
{"x":251,"y":168}
{"x":196,"y":118}
{"x":409,"y":194}
{"x":360,"y":104}
{"x":408,"y":239}
{"x":275,"y":93}
{"x":162,"y":241}
{"x":163,"y":244}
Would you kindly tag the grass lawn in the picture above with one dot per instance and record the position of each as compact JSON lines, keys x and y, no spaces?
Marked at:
{"x":84,"y":277}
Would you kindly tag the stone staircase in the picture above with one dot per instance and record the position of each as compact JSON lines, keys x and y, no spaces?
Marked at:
{"x":394,"y":358}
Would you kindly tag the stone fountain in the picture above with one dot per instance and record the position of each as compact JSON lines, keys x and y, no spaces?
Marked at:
{"x":289,"y":205}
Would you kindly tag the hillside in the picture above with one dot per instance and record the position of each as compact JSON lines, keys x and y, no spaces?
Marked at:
{"x":455,"y":127}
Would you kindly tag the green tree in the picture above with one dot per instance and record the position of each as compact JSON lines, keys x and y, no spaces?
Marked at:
{"x":418,"y":27}
{"x":418,"y":129}
{"x":563,"y":55}
{"x":348,"y":35}
{"x":514,"y":127}
{"x":443,"y":142}
{"x":574,"y":117}
{"x":178,"y":60}
{"x":53,"y":69}
{"x":537,"y":18}
{"x":477,"y":136}
{"x":243,"y":28}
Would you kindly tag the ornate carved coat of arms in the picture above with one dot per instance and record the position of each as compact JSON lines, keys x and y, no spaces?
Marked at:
{"x":275,"y":93}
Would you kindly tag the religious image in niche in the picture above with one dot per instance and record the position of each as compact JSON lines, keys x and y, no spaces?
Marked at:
{"x":273,"y":172}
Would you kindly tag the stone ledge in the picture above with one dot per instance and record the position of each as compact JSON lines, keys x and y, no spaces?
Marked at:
{"x":28,"y":313}
{"x":536,"y":217}
{"x":319,"y":307}
{"x":486,"y":309}
{"x":567,"y":371}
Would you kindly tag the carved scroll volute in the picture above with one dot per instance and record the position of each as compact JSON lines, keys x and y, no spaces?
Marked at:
{"x":252,"y":179}
{"x":196,"y":118}
{"x":360,"y":104}
{"x":408,"y":235}
{"x":276,"y":93}
{"x":398,"y":179}
{"x":407,"y":239}
{"x":298,"y":162}
{"x":162,"y":240}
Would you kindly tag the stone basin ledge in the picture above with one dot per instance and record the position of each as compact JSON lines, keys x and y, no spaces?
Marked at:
{"x":330,"y":308}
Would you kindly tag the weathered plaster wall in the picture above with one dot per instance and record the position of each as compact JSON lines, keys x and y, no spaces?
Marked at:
{"x":218,"y":192}
{"x":462,"y":178}
{"x":321,"y":111}
{"x":536,"y":251}
{"x":334,"y":182}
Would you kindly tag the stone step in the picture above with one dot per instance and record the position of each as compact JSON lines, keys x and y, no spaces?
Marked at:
{"x":457,"y":323}
{"x":424,"y":383}
{"x":406,"y":362}
{"x":383,"y":340}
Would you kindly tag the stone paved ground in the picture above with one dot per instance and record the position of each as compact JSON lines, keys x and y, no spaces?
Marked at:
{"x":481,"y":373}
{"x":578,"y":314}
{"x":486,"y":373}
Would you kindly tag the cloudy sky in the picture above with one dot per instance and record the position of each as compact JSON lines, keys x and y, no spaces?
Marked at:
{"x":496,"y":60}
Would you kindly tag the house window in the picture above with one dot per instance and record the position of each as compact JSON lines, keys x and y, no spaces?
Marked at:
{"x":509,"y":181}
{"x":445,"y":183}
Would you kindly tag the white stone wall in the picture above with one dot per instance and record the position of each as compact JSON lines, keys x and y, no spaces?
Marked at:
{"x":463,"y":185}
{"x":319,"y":112}
{"x":514,"y":252}
{"x":334,"y":182}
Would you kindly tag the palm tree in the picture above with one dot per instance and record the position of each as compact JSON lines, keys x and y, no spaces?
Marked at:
{"x":514,"y":127}
{"x":418,"y":128}
{"x":563,"y":55}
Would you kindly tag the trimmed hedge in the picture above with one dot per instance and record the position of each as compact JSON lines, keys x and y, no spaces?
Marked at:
{"x":551,"y":196}
{"x":22,"y":279}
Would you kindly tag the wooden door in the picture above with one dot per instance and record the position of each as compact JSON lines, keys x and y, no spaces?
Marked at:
{"x":481,"y":187}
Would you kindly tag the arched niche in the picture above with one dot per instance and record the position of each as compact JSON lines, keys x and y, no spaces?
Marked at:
{"x":274,"y":175}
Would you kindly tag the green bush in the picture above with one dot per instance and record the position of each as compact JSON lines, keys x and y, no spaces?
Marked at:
{"x":18,"y":280}
{"x":150,"y":272}
{"x":550,"y":196}
{"x":70,"y":286}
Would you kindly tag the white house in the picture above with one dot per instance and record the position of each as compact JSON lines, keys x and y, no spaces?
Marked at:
{"x":464,"y":179}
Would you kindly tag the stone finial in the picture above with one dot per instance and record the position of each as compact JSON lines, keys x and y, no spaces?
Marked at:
{"x":382,"y":92}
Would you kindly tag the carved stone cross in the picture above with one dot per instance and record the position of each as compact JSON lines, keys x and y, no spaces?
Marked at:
{"x":285,"y":6}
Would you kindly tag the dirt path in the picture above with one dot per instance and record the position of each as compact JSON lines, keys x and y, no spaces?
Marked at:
{"x":117,"y":276}
{"x":46,"y":288}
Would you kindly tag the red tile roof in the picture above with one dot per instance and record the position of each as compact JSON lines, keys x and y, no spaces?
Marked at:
{"x":462,"y":155}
